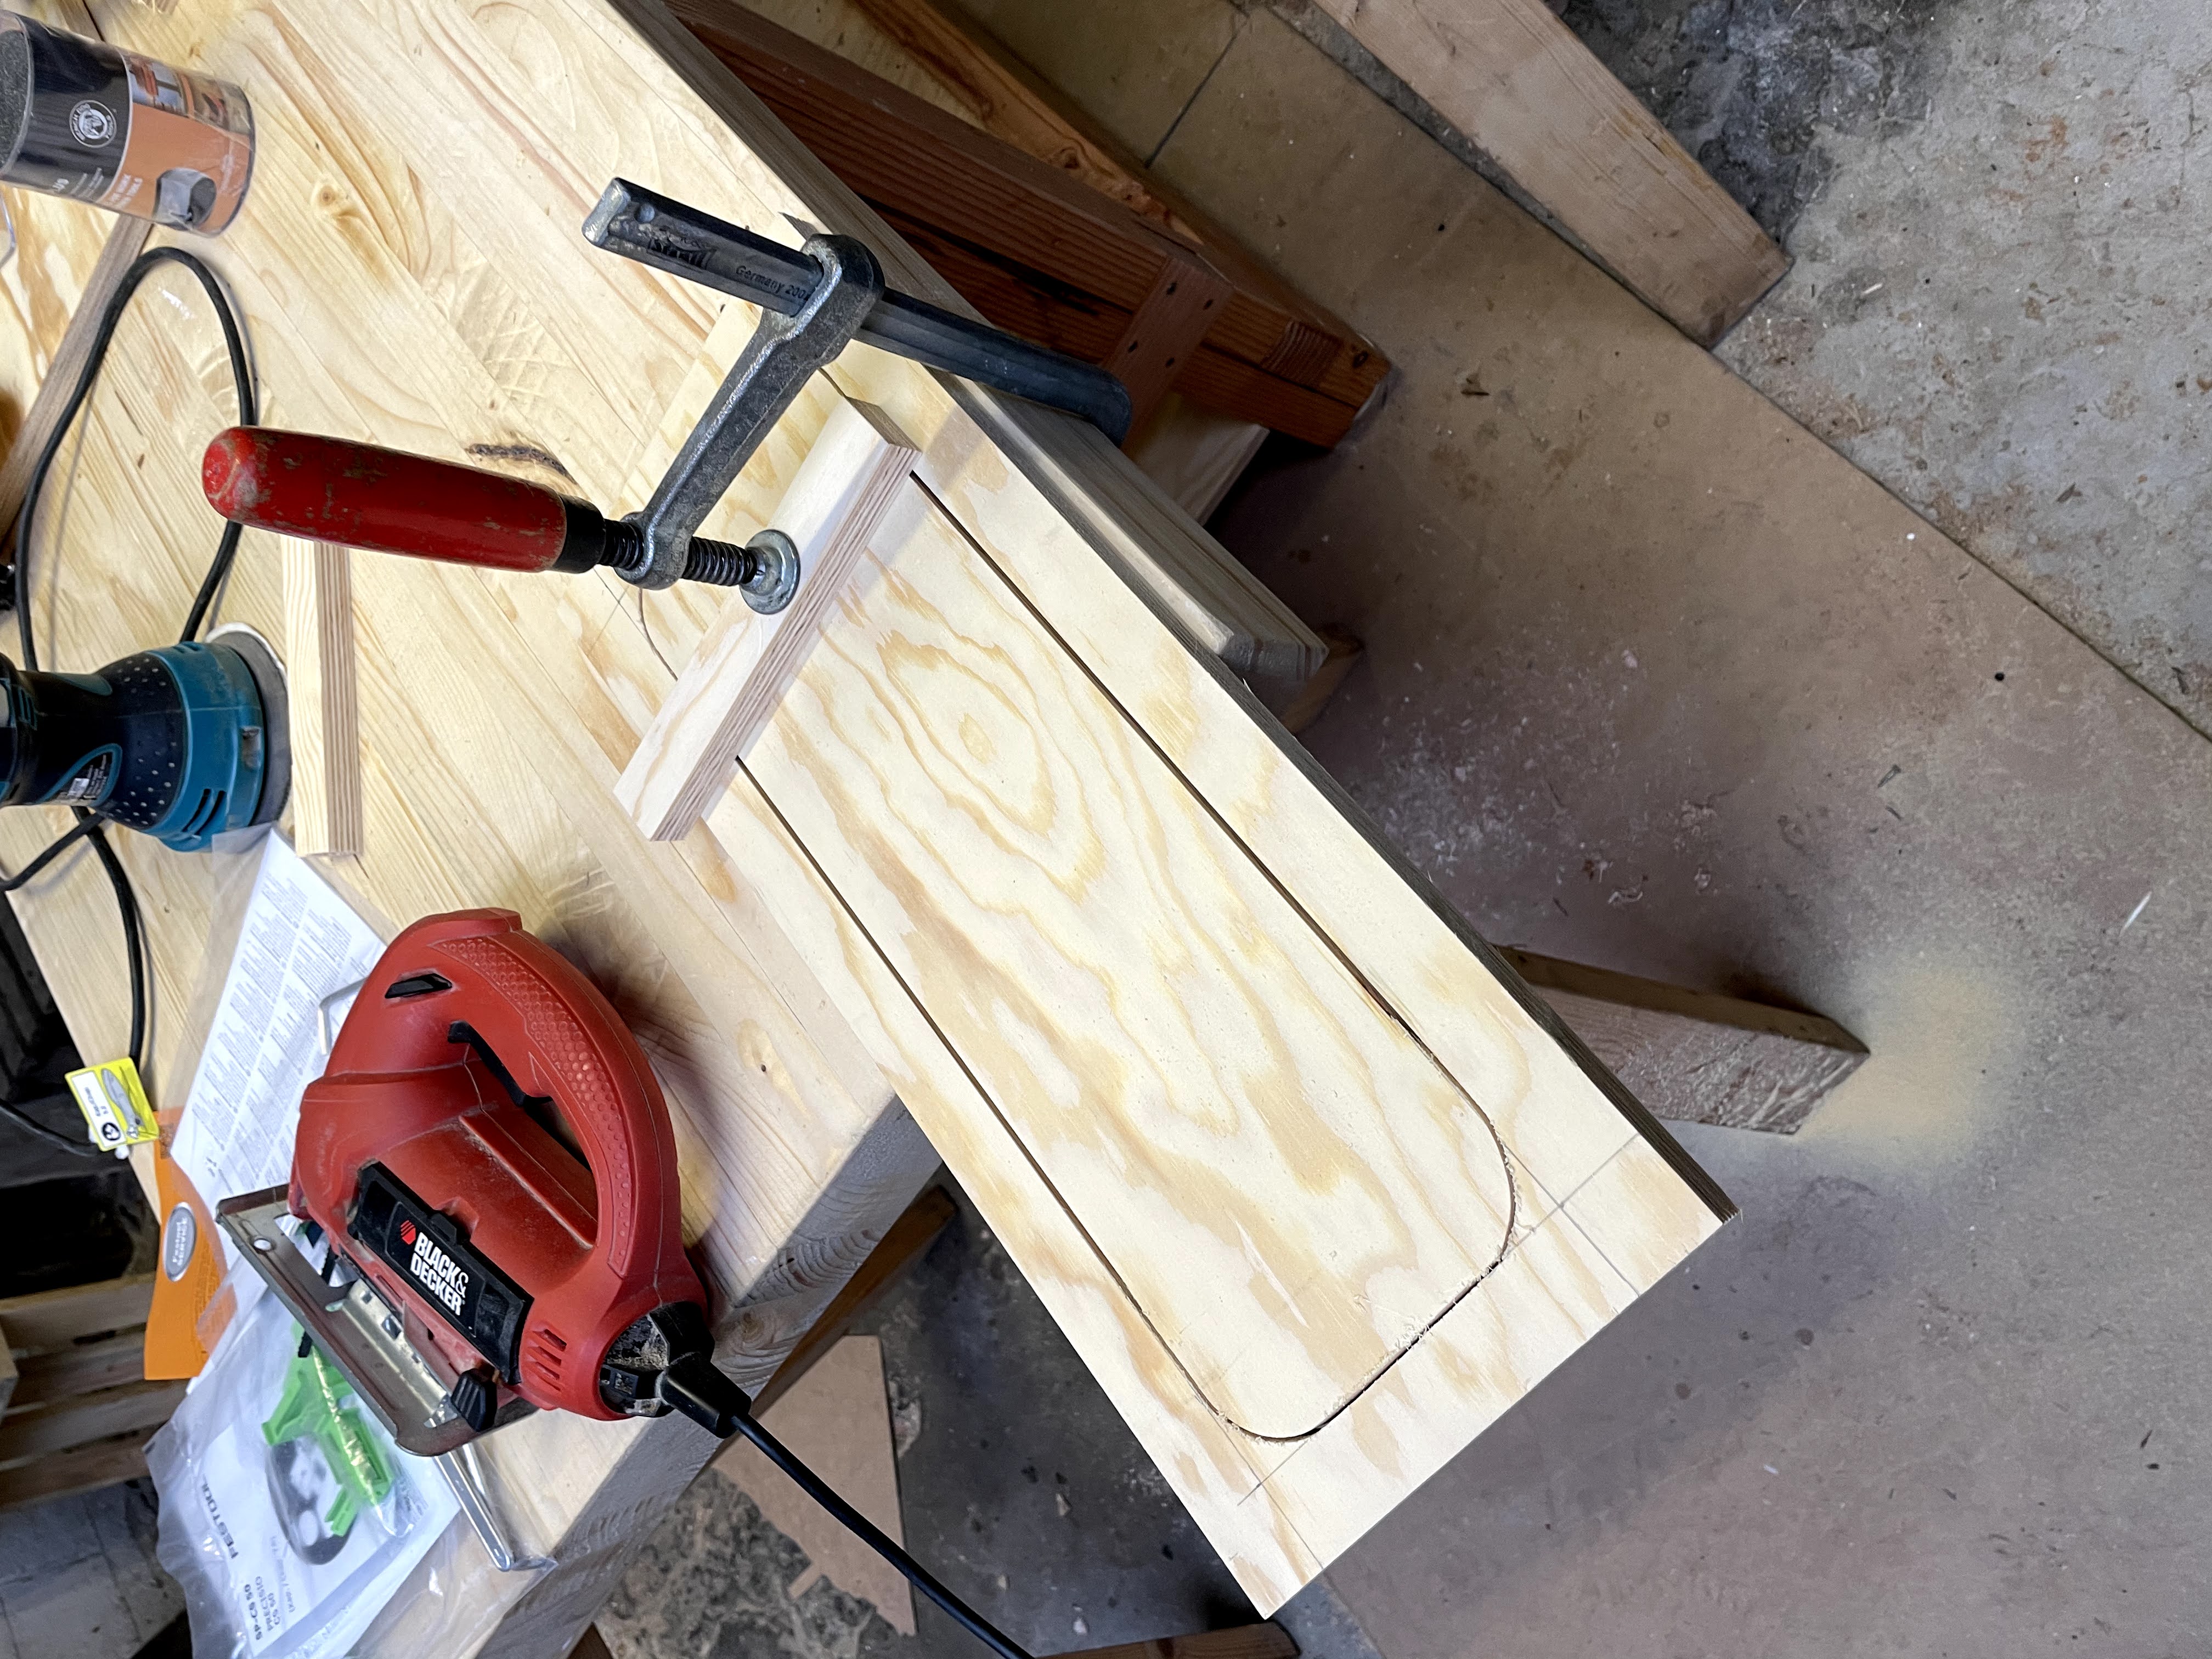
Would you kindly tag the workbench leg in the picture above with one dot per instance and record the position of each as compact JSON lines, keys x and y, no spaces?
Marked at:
{"x":911,"y":1235}
{"x":1311,"y":699}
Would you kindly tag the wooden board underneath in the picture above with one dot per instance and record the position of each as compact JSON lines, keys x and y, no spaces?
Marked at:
{"x":1518,"y":82}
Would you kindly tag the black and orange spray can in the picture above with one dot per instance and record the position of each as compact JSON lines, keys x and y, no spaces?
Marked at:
{"x":81,"y":118}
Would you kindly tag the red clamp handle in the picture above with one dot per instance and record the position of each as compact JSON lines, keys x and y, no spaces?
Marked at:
{"x":327,"y":490}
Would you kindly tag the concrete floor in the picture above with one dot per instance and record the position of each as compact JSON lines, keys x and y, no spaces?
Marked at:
{"x":78,"y":1577}
{"x":1998,"y":308}
{"x":1656,"y":680}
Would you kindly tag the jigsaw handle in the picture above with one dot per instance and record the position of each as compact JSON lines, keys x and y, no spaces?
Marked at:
{"x":556,"y":1036}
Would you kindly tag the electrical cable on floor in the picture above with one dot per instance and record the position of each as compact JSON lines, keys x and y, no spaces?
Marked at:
{"x":822,"y":1493}
{"x":88,"y":824}
{"x":694,"y":1385}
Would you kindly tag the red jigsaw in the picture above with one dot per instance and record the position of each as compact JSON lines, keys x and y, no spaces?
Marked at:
{"x":491,"y":1149}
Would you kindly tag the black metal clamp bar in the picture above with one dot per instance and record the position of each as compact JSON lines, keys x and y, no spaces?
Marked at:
{"x":673,"y":236}
{"x":787,"y":349}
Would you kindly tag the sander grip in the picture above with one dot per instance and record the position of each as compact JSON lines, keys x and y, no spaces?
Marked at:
{"x":329,"y":490}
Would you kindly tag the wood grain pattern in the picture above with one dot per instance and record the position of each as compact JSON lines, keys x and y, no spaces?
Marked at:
{"x":1033,"y":250}
{"x":907,"y":1241}
{"x":74,"y":1377}
{"x":1303,"y":710}
{"x":63,"y":249}
{"x":323,"y":687}
{"x":1194,"y":455}
{"x":35,"y":1432}
{"x":1151,"y":902}
{"x":1189,"y":1063}
{"x":125,"y":239}
{"x":1000,"y":95}
{"x":1515,"y":80}
{"x":84,"y":1469}
{"x":49,"y":1320}
{"x":1566,"y":1122}
{"x":942,"y":55}
{"x":104,"y":1363}
{"x":744,"y":663}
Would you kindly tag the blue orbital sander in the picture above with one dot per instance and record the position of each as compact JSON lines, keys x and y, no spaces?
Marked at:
{"x":183,"y":742}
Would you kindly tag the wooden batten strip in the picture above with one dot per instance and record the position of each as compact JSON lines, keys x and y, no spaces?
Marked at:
{"x":740,"y":670}
{"x":323,"y":683}
{"x":1527,"y":93}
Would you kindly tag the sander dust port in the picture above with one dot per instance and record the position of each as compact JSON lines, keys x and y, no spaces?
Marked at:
{"x":84,"y":119}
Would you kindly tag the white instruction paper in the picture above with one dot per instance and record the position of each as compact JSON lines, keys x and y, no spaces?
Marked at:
{"x":253,"y":1522}
{"x":301,"y":943}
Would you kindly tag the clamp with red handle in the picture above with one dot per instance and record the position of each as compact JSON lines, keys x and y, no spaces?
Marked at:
{"x":329,"y":489}
{"x":814,"y":302}
{"x":434,"y":1152}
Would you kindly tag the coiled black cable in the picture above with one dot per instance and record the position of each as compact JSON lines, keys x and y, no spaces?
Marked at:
{"x":88,"y":826}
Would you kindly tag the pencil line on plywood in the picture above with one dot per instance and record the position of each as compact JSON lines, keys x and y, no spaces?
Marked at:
{"x":1508,"y":1163}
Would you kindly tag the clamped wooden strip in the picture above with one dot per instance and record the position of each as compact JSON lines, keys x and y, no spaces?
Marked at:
{"x":319,"y":664}
{"x":729,"y":691}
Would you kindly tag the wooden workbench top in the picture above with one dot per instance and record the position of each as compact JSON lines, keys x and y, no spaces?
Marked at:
{"x":1313,"y":1186}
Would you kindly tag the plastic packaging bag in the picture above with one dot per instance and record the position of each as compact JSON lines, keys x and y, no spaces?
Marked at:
{"x":282,"y":1554}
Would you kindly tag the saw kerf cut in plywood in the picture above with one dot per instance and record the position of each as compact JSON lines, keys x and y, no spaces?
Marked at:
{"x":1289,"y":1187}
{"x":740,"y":670}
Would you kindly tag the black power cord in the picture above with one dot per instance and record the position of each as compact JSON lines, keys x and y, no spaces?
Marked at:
{"x":694,"y":1385}
{"x":88,"y":826}
{"x":30,"y":1126}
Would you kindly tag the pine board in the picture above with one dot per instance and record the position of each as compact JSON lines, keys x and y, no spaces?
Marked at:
{"x":1515,"y":80}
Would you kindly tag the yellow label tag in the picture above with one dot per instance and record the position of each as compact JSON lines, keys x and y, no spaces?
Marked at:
{"x":113,"y":1101}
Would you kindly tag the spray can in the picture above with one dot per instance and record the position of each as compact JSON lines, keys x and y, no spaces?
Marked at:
{"x":81,"y":118}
